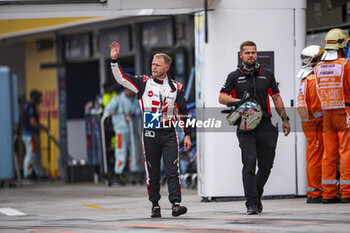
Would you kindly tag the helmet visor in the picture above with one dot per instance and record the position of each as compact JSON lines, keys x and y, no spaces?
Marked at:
{"x":308,"y":61}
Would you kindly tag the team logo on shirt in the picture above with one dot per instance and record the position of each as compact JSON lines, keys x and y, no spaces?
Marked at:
{"x":151,"y":120}
{"x":150,"y":93}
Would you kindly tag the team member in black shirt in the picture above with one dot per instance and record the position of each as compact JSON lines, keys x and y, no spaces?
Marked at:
{"x":260,"y":143}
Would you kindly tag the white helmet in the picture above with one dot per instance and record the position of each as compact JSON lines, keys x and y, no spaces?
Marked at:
{"x":311,"y":55}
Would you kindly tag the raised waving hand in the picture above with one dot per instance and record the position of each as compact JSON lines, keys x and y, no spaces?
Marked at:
{"x":115,"y":50}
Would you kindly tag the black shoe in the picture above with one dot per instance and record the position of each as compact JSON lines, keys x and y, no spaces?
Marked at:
{"x":252,"y":209}
{"x":156,"y":212}
{"x":260,"y":207}
{"x":308,"y":200}
{"x":331,"y":201}
{"x":316,"y":200}
{"x":345,"y":200}
{"x":178,"y":210}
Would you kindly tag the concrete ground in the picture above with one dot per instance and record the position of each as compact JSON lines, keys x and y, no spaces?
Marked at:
{"x":79,"y":208}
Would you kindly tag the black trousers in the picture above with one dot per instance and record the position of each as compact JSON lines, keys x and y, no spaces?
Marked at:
{"x":158,"y":143}
{"x":257,"y":146}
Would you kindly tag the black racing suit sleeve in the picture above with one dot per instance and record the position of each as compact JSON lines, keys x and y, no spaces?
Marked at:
{"x":182,"y":110}
{"x":228,"y":87}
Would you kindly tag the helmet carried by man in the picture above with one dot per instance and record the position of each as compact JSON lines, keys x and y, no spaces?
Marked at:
{"x":251,"y":115}
{"x":245,"y":113}
{"x":336,"y":39}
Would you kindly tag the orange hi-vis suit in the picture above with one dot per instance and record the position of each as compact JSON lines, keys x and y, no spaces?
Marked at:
{"x":311,"y":114}
{"x":333,"y":88}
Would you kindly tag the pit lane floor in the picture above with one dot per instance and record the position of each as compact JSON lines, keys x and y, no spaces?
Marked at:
{"x":80,"y":208}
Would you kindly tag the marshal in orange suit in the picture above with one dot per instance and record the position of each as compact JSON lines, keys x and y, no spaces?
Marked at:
{"x":311,"y":114}
{"x":333,"y":88}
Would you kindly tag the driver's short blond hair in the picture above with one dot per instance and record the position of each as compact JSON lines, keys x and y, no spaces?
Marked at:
{"x":166,"y":57}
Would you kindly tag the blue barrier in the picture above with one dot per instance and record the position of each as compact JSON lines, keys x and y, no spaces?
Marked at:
{"x":14,"y":102}
{"x":6,"y":124}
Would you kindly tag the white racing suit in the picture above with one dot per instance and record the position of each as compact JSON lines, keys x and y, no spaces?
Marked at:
{"x":165,"y":97}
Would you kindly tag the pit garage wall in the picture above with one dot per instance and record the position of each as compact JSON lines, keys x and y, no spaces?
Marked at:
{"x":45,"y":80}
{"x":275,"y":25}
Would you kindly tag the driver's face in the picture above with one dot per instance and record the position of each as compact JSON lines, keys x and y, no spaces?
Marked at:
{"x":159,"y":68}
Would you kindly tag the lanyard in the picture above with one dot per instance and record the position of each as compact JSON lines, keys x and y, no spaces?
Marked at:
{"x":161,"y":97}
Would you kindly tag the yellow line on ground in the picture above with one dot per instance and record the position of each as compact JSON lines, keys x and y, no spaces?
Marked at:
{"x":95,"y":206}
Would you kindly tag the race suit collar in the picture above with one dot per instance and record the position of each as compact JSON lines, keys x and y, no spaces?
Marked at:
{"x":171,"y":84}
{"x":159,"y":81}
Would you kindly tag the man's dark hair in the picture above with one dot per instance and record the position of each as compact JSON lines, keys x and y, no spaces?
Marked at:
{"x":35,"y":96}
{"x":247,"y":43}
